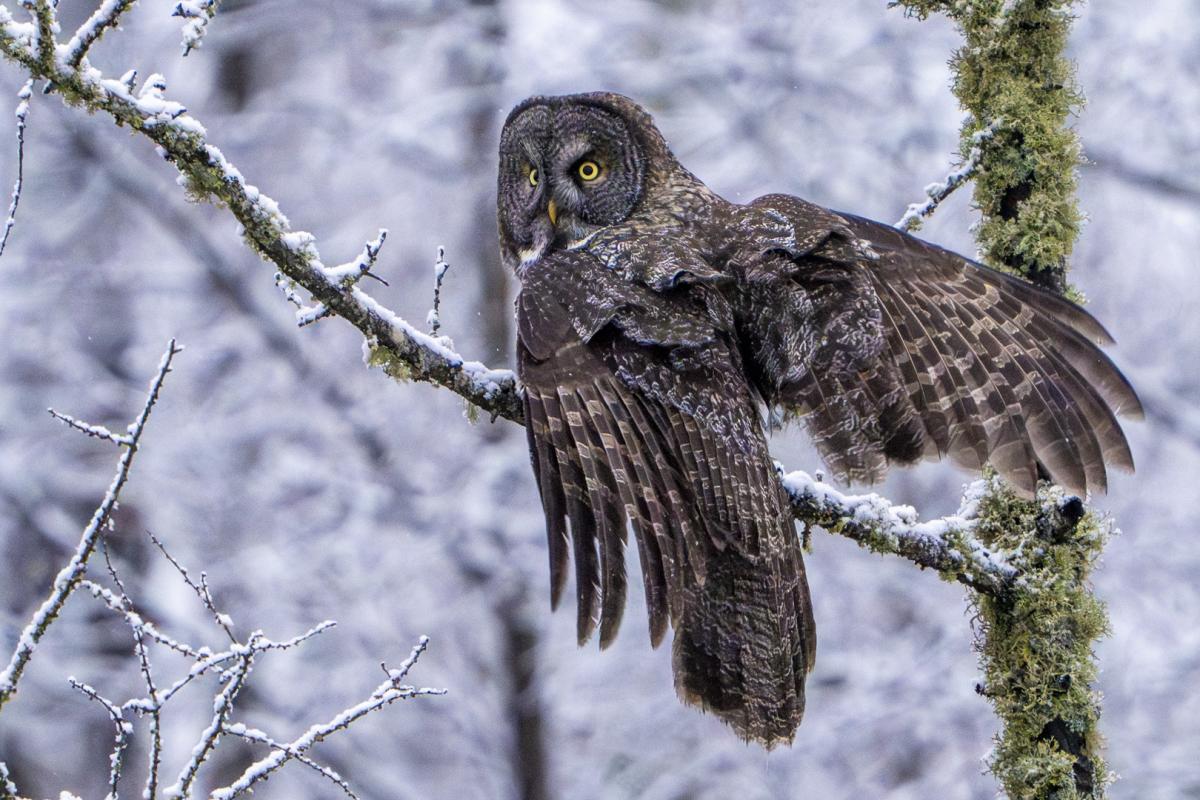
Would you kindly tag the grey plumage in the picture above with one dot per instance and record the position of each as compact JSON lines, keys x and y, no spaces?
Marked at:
{"x":654,"y":321}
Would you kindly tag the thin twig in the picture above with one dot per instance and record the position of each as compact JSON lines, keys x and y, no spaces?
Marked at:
{"x":346,"y":275}
{"x":95,"y":431}
{"x":255,"y":735}
{"x":135,"y":621}
{"x":935,"y":193}
{"x":68,"y":579}
{"x":108,"y":15}
{"x":235,"y":680}
{"x":123,"y":730}
{"x":440,"y":268}
{"x":23,"y":96}
{"x":153,"y":709}
{"x":201,"y":589}
{"x":385,"y":694}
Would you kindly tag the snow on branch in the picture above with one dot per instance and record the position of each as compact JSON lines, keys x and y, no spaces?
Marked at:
{"x":935,"y":193}
{"x":71,"y":575}
{"x":947,"y":545}
{"x":22,"y":115}
{"x":440,"y":268}
{"x":395,"y":344}
{"x":197,"y":14}
{"x":95,"y":431}
{"x":233,"y":664}
{"x":123,"y":730}
{"x":390,"y":342}
{"x":386,"y":693}
{"x":108,"y":15}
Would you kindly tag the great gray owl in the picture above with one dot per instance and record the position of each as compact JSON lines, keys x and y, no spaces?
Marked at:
{"x":656,"y":319}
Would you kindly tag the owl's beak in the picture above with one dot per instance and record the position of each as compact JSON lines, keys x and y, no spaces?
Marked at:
{"x":552,"y":210}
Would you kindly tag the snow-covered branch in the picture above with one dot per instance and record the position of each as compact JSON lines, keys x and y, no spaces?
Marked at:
{"x":233,"y":665}
{"x":107,"y":15}
{"x":392,"y":343}
{"x":440,"y":268}
{"x":395,"y":344}
{"x":71,"y":575}
{"x":22,"y":115}
{"x":935,"y":193}
{"x":386,"y":693}
{"x":197,"y":14}
{"x":947,"y":545}
{"x":122,"y":731}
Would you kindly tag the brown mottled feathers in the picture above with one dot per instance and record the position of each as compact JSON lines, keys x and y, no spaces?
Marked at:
{"x":892,"y":349}
{"x":639,"y":413}
{"x":655,"y":319}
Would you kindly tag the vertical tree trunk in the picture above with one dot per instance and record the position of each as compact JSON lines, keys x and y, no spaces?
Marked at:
{"x":1035,"y":643}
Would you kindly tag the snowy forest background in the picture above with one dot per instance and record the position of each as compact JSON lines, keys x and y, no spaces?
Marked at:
{"x":309,"y":487}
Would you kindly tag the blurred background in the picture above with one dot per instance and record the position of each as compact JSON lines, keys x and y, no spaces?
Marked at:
{"x":309,"y":487}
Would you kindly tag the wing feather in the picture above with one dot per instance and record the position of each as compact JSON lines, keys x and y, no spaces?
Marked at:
{"x":933,"y":355}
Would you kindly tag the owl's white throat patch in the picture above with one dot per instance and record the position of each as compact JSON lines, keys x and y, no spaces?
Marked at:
{"x":529,"y":255}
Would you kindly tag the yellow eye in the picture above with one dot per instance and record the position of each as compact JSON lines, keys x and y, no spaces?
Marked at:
{"x":533,"y":176}
{"x":589,"y":170}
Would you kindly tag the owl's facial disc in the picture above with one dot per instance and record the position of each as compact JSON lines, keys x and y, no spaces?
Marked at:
{"x":567,"y":170}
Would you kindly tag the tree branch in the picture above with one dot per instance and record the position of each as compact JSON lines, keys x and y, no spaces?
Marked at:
{"x":935,"y":193}
{"x":71,"y":575}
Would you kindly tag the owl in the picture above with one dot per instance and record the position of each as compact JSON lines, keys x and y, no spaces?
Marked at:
{"x":657,"y":321}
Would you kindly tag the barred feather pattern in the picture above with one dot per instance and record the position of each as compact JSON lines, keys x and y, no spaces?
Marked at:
{"x":892,"y":349}
{"x":647,"y":423}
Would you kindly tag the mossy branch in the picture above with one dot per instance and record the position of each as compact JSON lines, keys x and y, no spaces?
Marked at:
{"x":1035,"y":641}
{"x":392,"y":344}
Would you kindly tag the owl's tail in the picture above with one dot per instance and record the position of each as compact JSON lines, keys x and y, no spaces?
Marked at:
{"x":746,"y":640}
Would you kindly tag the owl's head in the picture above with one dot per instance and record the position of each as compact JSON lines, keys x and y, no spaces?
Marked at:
{"x":570,"y":166}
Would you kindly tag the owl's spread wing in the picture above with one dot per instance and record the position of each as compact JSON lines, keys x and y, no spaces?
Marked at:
{"x":892,"y":349}
{"x":639,"y":413}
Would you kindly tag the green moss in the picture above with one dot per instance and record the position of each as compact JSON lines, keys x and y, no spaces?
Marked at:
{"x":1035,"y":645}
{"x":383,"y":358}
{"x":1035,"y":641}
{"x":1012,"y":69}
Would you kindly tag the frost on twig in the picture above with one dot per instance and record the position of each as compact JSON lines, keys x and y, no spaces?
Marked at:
{"x":196,"y":14}
{"x":22,"y":115}
{"x":440,"y":268}
{"x":123,"y":730}
{"x":386,"y":693}
{"x":233,"y":666}
{"x":95,"y":431}
{"x":107,"y":15}
{"x":69,"y":577}
{"x":200,"y":589}
{"x":935,"y":193}
{"x":346,"y":275}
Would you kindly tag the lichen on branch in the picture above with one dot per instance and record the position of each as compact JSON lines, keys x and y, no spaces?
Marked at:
{"x":1035,"y":641}
{"x":1035,"y":644}
{"x":1012,"y":67}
